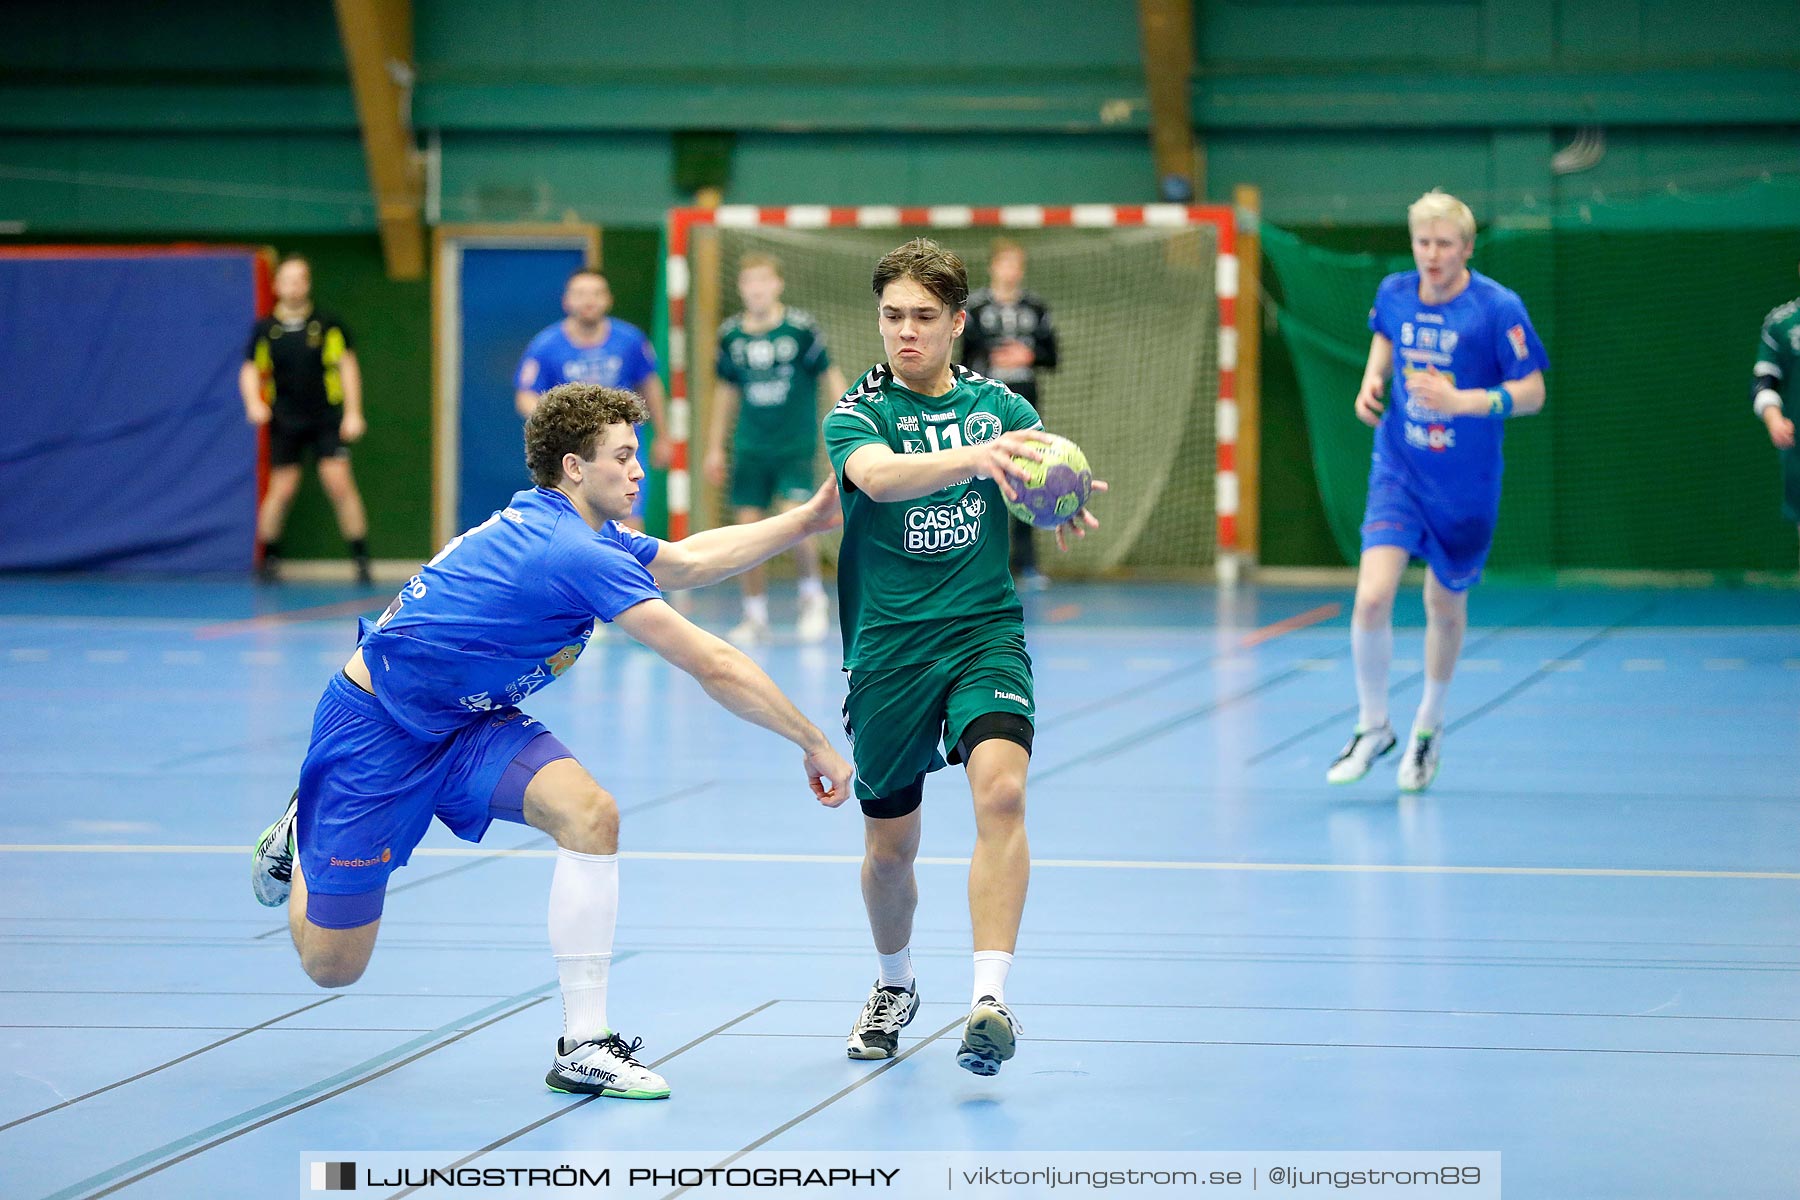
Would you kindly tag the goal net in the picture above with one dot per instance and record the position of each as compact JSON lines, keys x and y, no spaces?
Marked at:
{"x":1142,"y":300}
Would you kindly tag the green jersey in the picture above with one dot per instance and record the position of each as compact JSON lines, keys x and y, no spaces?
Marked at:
{"x":776,"y":373}
{"x":1778,"y":356}
{"x":918,"y":578}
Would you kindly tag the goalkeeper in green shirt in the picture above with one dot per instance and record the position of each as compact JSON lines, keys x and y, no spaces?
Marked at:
{"x":1777,"y":376}
{"x":934,"y":635}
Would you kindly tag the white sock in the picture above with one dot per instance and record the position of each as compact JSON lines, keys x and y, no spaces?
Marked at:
{"x":811,"y":588}
{"x":896,"y":968}
{"x":1431,"y":706}
{"x":991,"y":967}
{"x":756,"y":608}
{"x":1373,"y":650}
{"x":584,"y":912}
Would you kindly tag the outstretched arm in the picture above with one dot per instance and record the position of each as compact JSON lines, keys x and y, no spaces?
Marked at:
{"x":885,"y":477}
{"x":742,"y":687}
{"x":721,"y":553}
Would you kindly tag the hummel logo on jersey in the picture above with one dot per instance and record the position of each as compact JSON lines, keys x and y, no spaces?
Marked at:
{"x":949,"y":416}
{"x":1014,"y":697}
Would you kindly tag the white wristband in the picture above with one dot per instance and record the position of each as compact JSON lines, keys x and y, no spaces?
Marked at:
{"x":1766,"y":399}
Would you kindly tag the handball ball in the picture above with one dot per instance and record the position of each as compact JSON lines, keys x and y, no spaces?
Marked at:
{"x":1055,"y":487}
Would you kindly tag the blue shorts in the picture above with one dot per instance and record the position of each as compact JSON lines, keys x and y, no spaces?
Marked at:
{"x":369,"y":789}
{"x":1454,"y":545}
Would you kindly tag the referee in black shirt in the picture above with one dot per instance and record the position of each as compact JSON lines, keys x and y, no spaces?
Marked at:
{"x":300,"y":378}
{"x":1009,"y":337}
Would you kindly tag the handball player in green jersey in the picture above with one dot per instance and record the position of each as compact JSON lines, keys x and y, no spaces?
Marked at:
{"x":934,"y":636}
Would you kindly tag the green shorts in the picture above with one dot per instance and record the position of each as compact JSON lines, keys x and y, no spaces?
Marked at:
{"x":896,"y":717}
{"x":758,"y":478}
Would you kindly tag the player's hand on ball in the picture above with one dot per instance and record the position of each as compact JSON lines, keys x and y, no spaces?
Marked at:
{"x":827,"y":766}
{"x":994,"y":460}
{"x":1082,"y":521}
{"x":1368,"y":402}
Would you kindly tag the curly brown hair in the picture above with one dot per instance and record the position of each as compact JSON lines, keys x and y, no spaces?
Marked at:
{"x":937,"y":270}
{"x":572,"y":418}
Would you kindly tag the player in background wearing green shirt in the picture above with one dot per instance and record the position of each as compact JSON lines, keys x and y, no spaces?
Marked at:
{"x":1778,"y":376}
{"x":934,"y":636}
{"x":772,"y":369}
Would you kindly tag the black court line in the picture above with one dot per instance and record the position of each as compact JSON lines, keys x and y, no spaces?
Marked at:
{"x":294,"y":1108}
{"x":158,"y":1067}
{"x":826,"y":1103}
{"x":1338,"y":717}
{"x":566,"y":1109}
{"x":532,"y":843}
{"x":1544,"y":671}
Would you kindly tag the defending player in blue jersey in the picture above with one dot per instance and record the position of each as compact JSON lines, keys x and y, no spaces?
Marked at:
{"x":1464,"y":359}
{"x":591,"y":346}
{"x":424,"y":721}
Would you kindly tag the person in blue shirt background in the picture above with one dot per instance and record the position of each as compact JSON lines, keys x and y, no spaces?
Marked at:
{"x":590,"y":346}
{"x":1464,"y":359}
{"x":423,"y":720}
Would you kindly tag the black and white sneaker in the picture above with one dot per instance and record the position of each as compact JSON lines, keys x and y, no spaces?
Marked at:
{"x":886,"y":1012}
{"x":1419,"y":765}
{"x":605,"y":1066}
{"x":990,"y":1036}
{"x":272,"y":862}
{"x":1360,"y":753}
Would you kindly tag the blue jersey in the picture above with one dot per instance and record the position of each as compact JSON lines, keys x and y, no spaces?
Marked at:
{"x":1480,"y":339}
{"x":624,"y":360}
{"x":502,"y":610}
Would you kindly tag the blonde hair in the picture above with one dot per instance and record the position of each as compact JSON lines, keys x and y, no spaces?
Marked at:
{"x":1439,"y":205}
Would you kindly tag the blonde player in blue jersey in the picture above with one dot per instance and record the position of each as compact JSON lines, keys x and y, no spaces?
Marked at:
{"x":424,"y":721}
{"x":1464,"y":359}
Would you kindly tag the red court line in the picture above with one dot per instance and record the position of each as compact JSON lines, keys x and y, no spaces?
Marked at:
{"x":316,"y":612}
{"x":1311,"y":616}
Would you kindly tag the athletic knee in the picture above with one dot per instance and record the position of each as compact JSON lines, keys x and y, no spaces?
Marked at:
{"x":1374,"y":610}
{"x":336,"y":481}
{"x":1001,"y":799}
{"x":331,"y":970}
{"x":590,"y":822}
{"x":1446,"y":608}
{"x":888,"y":860}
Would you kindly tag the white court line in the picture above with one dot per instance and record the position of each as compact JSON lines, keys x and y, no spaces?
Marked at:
{"x":1085,"y":864}
{"x":1724,"y":664}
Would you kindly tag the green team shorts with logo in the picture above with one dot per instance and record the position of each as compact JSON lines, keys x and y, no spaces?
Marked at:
{"x":897,"y":716}
{"x":757,"y":478}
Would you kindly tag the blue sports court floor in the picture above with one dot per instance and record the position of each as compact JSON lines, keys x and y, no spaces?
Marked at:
{"x":1581,"y":949}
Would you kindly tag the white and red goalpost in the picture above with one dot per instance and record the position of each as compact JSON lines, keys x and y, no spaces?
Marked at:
{"x":1220,"y":356}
